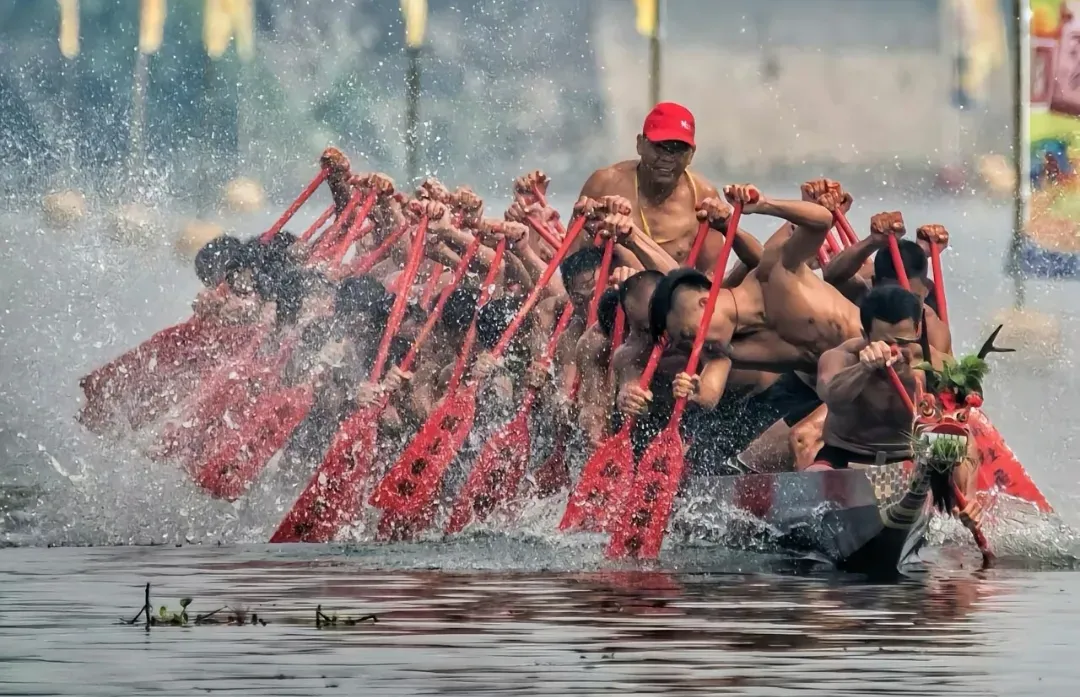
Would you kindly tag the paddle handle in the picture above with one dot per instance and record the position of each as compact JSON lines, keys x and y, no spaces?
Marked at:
{"x":939,"y":282}
{"x":534,"y":295}
{"x":710,"y":304}
{"x":444,"y":296}
{"x":898,"y":263}
{"x":397,"y":310}
{"x":295,"y":206}
{"x":355,"y":231}
{"x":658,"y":349}
{"x":486,"y":291}
{"x":432,"y":283}
{"x":368,"y":261}
{"x":842,"y":224}
{"x":319,"y":222}
{"x":330,"y":235}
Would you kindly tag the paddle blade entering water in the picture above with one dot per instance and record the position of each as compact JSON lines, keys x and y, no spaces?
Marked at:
{"x":554,"y":475}
{"x":608,"y":471}
{"x":228,"y":473}
{"x":497,"y":474}
{"x":639,"y":530}
{"x":332,"y":497}
{"x":410,"y":488}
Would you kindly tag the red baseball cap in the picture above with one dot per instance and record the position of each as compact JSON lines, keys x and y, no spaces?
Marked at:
{"x":669,"y":121}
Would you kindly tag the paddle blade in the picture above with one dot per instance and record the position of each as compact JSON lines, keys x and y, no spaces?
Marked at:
{"x":609,"y":471}
{"x":554,"y":475}
{"x":229,"y":471}
{"x":332,"y":498}
{"x":643,"y":520}
{"x":998,"y":467}
{"x":410,"y":488}
{"x":497,"y":474}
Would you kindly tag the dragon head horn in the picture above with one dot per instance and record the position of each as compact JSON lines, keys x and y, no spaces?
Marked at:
{"x":988,"y":347}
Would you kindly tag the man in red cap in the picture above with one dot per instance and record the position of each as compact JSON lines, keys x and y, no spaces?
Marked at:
{"x":663,"y":194}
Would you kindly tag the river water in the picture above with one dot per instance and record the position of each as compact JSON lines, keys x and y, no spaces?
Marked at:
{"x":496,"y":612}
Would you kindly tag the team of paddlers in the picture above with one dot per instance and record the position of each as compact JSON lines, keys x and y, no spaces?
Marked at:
{"x":410,"y":354}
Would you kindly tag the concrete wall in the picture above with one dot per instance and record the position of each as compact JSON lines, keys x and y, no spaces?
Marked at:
{"x":784,"y":86}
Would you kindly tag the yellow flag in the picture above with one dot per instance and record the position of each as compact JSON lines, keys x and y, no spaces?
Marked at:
{"x":217,"y":27}
{"x":69,"y":28}
{"x":648,"y":16}
{"x":151,"y":25}
{"x":243,"y":25}
{"x":415,"y":12}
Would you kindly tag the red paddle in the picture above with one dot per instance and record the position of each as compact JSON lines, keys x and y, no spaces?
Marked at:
{"x":845,"y":227}
{"x":430,"y":286}
{"x":553,"y":474}
{"x":409,"y":489}
{"x":332,"y":497}
{"x":939,"y":282}
{"x":295,"y":206}
{"x":172,"y":351}
{"x":314,"y":227}
{"x":608,"y":472}
{"x":504,"y":459}
{"x":648,"y":507}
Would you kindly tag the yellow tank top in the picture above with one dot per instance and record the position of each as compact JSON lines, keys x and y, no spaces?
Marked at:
{"x":641,"y":209}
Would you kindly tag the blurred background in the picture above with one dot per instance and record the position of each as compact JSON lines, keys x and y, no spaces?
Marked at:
{"x":877,"y":93}
{"x":133,"y":131}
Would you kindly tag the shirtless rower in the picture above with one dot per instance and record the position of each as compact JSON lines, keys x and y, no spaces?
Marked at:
{"x":782,"y":317}
{"x":848,"y":270}
{"x":662,"y":192}
{"x":865,"y":414}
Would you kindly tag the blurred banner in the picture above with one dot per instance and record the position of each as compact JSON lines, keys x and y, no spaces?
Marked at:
{"x":1049,"y":243}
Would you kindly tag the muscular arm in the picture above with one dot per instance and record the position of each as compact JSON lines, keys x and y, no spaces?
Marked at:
{"x":649,"y":253}
{"x":714,"y":377}
{"x":937,"y":332}
{"x":841,"y":377}
{"x":812,"y":222}
{"x":846,"y":265}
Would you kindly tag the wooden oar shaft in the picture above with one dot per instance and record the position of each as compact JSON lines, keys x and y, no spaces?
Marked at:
{"x":368,"y":261}
{"x":845,"y":226}
{"x":295,"y":206}
{"x":330,"y":234}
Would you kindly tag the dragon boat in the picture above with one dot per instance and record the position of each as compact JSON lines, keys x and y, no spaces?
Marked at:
{"x":870,"y":519}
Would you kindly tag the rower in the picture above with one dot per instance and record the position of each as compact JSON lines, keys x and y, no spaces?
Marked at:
{"x":866,"y":417}
{"x":662,"y":192}
{"x":848,"y":273}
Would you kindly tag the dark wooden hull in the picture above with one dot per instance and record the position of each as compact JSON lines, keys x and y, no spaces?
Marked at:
{"x":867,"y":520}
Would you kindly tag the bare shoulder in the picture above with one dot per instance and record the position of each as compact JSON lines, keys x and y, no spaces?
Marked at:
{"x":706,"y":189}
{"x":591,"y":345}
{"x":608,"y":180}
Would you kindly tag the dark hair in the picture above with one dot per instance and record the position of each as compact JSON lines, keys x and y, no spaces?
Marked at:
{"x":632,"y":284}
{"x":289,"y":298}
{"x":889,"y":303}
{"x":912,"y":256}
{"x":663,"y":297}
{"x":606,"y":311}
{"x":493,"y":320}
{"x":363,"y":295}
{"x":459,"y":309}
{"x":581,"y":261}
{"x":215,"y":257}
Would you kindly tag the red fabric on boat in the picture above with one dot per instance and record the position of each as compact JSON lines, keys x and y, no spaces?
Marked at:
{"x":999,"y":467}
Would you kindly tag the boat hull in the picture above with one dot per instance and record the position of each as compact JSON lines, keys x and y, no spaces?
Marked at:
{"x":862,"y":520}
